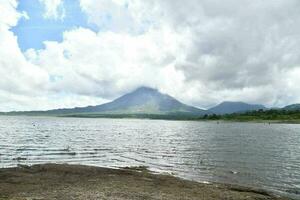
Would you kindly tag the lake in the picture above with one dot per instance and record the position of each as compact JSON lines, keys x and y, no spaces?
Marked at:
{"x":249,"y":154}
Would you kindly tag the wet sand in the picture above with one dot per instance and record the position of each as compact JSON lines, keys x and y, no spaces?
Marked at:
{"x":51,"y":181}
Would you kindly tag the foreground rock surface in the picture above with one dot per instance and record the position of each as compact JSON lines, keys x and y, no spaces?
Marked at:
{"x":65,"y":182}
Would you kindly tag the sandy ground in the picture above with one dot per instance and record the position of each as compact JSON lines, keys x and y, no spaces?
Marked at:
{"x":65,"y":182}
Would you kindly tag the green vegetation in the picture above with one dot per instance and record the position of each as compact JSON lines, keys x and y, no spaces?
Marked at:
{"x":259,"y":115}
{"x":279,"y":115}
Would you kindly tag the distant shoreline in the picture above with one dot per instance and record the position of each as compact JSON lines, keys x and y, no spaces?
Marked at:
{"x":161,"y":117}
{"x":165,"y":117}
{"x":194,"y":119}
{"x":52,"y":181}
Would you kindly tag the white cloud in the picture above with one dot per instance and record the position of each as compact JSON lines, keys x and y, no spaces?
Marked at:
{"x":201,"y":52}
{"x":54,"y":9}
{"x":113,"y":15}
{"x":8,"y":15}
{"x":227,"y":50}
{"x":106,"y":63}
{"x":18,"y":76}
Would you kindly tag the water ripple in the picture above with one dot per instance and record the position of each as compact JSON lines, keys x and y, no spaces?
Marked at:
{"x":240,"y":153}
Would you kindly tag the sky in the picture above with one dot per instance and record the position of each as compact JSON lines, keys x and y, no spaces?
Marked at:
{"x":68,"y":53}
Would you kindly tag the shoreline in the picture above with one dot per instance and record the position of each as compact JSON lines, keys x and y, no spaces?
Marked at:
{"x":259,"y":121}
{"x":63,"y":181}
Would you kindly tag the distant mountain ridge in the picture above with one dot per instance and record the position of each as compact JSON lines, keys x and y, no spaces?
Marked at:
{"x":229,"y":107}
{"x":293,"y":107}
{"x":143,"y":100}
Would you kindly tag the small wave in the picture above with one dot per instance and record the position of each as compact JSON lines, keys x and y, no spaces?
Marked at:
{"x":130,"y":158}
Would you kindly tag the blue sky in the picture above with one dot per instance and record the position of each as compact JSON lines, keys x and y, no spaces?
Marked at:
{"x":34,"y":31}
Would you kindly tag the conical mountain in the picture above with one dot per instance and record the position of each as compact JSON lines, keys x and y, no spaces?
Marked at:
{"x":143,"y":100}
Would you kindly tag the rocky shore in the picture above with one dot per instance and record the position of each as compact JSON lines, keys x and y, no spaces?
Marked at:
{"x":51,"y":181}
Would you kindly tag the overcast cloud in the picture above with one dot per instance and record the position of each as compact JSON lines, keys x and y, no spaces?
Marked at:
{"x":202,"y":52}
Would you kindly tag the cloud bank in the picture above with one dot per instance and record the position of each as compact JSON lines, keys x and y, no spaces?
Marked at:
{"x":201,"y":52}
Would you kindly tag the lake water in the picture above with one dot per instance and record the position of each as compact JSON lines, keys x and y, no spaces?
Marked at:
{"x":250,"y":154}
